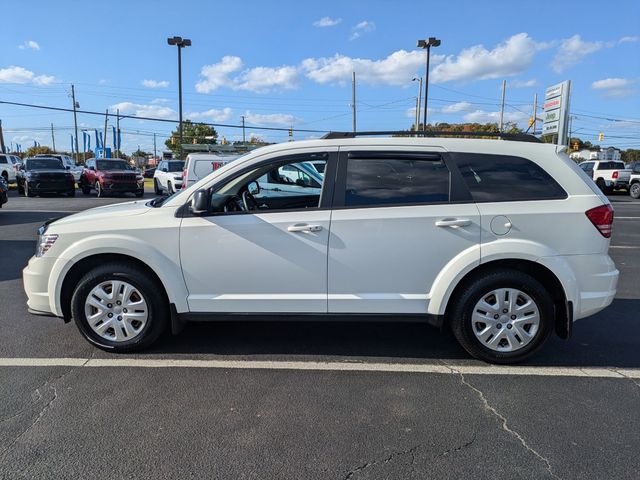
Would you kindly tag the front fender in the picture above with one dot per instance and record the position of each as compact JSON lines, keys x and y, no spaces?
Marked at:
{"x":167,"y":268}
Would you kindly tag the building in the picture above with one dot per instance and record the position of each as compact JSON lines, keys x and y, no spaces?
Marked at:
{"x":609,"y":154}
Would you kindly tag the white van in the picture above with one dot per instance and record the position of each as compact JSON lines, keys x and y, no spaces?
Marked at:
{"x":199,"y":165}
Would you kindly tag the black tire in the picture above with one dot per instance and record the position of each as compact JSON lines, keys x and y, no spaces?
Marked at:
{"x":601,"y":185}
{"x":170,"y":188}
{"x":20,"y":189}
{"x":634,"y":190}
{"x":98,"y":187}
{"x":5,"y":175}
{"x":139,"y":193}
{"x":460,"y":315}
{"x":156,"y":187}
{"x":86,"y":189}
{"x":71,"y":193}
{"x":158,"y":314}
{"x":27,"y":191}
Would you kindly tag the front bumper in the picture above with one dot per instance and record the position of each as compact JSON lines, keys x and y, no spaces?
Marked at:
{"x":35,"y":278}
{"x":122,"y":187}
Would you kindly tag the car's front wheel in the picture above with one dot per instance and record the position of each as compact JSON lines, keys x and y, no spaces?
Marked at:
{"x":118,"y":308}
{"x":503,"y":316}
{"x":156,"y":187}
{"x":99,"y":191}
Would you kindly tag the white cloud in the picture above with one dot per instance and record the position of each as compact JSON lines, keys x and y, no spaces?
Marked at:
{"x":411,"y":112}
{"x":629,"y":39}
{"x":282,"y":119}
{"x":258,"y":79}
{"x":15,"y":74}
{"x":614,"y":87}
{"x":213,"y":115}
{"x":396,"y":69}
{"x":512,"y":57}
{"x":327,"y":22}
{"x":155,"y":83}
{"x":571,"y":52}
{"x":142,"y":110}
{"x":30,"y":44}
{"x":457,"y":107}
{"x":159,"y":101}
{"x":362,"y":28}
{"x":103,"y":81}
{"x":522,"y":83}
{"x":481,"y":116}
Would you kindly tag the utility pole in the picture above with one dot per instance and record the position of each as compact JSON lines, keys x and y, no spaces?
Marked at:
{"x":118,"y":131}
{"x":155,"y":154}
{"x":504,"y":88}
{"x":1,"y":138}
{"x":75,"y":117}
{"x":535,"y":111}
{"x":243,"y":137}
{"x":104,"y":142}
{"x":53,"y":139}
{"x":353,"y":99}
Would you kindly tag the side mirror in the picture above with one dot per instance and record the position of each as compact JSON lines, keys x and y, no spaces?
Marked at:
{"x":92,"y":168}
{"x":68,"y":167}
{"x":165,"y":170}
{"x":300,"y":182}
{"x":253,"y":188}
{"x":200,"y":202}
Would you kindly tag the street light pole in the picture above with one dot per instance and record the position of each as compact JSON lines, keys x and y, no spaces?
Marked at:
{"x":419,"y":102}
{"x":430,"y":42}
{"x":180,"y":43}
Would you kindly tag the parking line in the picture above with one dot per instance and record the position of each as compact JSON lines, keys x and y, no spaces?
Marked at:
{"x":445,"y":369}
{"x":625,"y":218}
{"x":623,"y":246}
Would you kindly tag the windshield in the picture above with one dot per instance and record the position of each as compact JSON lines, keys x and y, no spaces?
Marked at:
{"x":175,"y":166}
{"x":112,"y":165}
{"x":44,"y":164}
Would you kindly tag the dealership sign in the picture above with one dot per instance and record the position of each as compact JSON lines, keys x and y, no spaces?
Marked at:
{"x":556,"y":111}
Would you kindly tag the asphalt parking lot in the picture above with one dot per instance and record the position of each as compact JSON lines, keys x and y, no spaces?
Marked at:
{"x":313,"y":401}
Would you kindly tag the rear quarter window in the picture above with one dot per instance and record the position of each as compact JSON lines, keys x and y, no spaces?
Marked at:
{"x":504,"y":178}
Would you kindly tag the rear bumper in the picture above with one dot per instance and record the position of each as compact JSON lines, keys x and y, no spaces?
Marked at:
{"x":621,"y":184}
{"x":597,"y":280}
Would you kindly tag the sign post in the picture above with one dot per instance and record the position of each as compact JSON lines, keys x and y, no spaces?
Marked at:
{"x":556,"y":112}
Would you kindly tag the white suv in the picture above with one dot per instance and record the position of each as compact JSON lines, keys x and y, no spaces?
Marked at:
{"x":8,"y":167}
{"x":168,"y":176}
{"x":502,"y":241}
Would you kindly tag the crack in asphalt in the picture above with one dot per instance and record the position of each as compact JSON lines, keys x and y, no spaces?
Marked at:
{"x":388,"y":459}
{"x":505,"y":425}
{"x":45,"y":408}
{"x":459,"y":447}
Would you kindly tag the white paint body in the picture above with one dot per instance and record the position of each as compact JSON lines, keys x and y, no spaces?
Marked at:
{"x":389,"y":260}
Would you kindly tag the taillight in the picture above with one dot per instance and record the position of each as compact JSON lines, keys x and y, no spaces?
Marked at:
{"x":216,"y":165}
{"x":615,"y":174}
{"x":602,"y":219}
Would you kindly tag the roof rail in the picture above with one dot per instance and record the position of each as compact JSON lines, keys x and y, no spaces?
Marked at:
{"x":516,"y":137}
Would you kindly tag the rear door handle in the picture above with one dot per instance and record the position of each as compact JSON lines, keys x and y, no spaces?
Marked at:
{"x":304,"y":227}
{"x":453,"y":222}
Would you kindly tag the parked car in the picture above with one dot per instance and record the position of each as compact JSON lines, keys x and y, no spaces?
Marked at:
{"x":608,"y":175}
{"x":199,"y":165}
{"x":111,"y":175}
{"x":149,"y":172}
{"x":634,"y":180}
{"x":168,"y":176}
{"x":427,"y":229}
{"x":67,"y":161}
{"x":291,"y":179}
{"x":39,"y":175}
{"x":4,"y":191}
{"x":9,"y":167}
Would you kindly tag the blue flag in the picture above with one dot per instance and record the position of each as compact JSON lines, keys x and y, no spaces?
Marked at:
{"x":101,"y":141}
{"x":119,"y":140}
{"x":115,"y":138}
{"x":97,"y":139}
{"x":88,"y":142}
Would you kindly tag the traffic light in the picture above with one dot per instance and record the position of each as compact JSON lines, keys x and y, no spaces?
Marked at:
{"x":600,"y":136}
{"x":173,"y":140}
{"x":531,"y":120}
{"x":575,"y":145}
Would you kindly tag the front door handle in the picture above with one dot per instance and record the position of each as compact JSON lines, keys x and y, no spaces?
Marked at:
{"x":304,"y":227}
{"x":453,"y":222}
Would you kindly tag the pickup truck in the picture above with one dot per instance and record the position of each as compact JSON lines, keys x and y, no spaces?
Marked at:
{"x":634,"y":180}
{"x":608,"y":175}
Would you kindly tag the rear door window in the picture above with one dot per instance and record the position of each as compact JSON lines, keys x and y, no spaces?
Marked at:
{"x":503,"y":178}
{"x":395,"y":181}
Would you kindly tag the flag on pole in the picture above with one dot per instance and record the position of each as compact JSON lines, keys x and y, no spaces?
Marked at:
{"x":115,"y":138}
{"x":119,"y":140}
{"x":101,"y":141}
{"x":88,"y":142}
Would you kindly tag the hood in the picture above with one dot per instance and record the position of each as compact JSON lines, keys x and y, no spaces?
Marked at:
{"x":105,"y":214}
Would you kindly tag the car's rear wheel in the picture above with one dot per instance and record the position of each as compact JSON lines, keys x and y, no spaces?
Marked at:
{"x":99,"y":191}
{"x":156,"y":187}
{"x":634,"y":190}
{"x":503,"y":316}
{"x":601,"y":184}
{"x":27,"y":190}
{"x":86,"y":189}
{"x":170,"y":188}
{"x":118,"y":308}
{"x":71,"y":193}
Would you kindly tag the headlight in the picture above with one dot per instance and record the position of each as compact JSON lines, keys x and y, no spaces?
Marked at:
{"x":45,"y":242}
{"x":139,"y":177}
{"x":176,"y":177}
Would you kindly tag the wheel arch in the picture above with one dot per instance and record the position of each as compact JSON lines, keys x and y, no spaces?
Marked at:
{"x":561,"y":300}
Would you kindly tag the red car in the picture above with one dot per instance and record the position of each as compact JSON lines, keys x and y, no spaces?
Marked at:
{"x":110,"y":175}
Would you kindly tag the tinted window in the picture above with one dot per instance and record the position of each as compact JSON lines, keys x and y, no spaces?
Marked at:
{"x":3,"y":159}
{"x":112,"y":165}
{"x":501,"y":178}
{"x":610,"y":165}
{"x":391,"y":181}
{"x":44,"y":164}
{"x":174,"y":166}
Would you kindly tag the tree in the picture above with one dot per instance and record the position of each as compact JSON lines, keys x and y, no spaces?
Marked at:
{"x":32,"y":151}
{"x":508,"y":127}
{"x":191,"y":133}
{"x":631,"y":155}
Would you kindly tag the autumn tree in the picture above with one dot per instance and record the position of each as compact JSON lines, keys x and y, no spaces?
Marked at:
{"x":191,"y":133}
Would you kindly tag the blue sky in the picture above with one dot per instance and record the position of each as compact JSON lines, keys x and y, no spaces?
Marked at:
{"x":289,"y":63}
